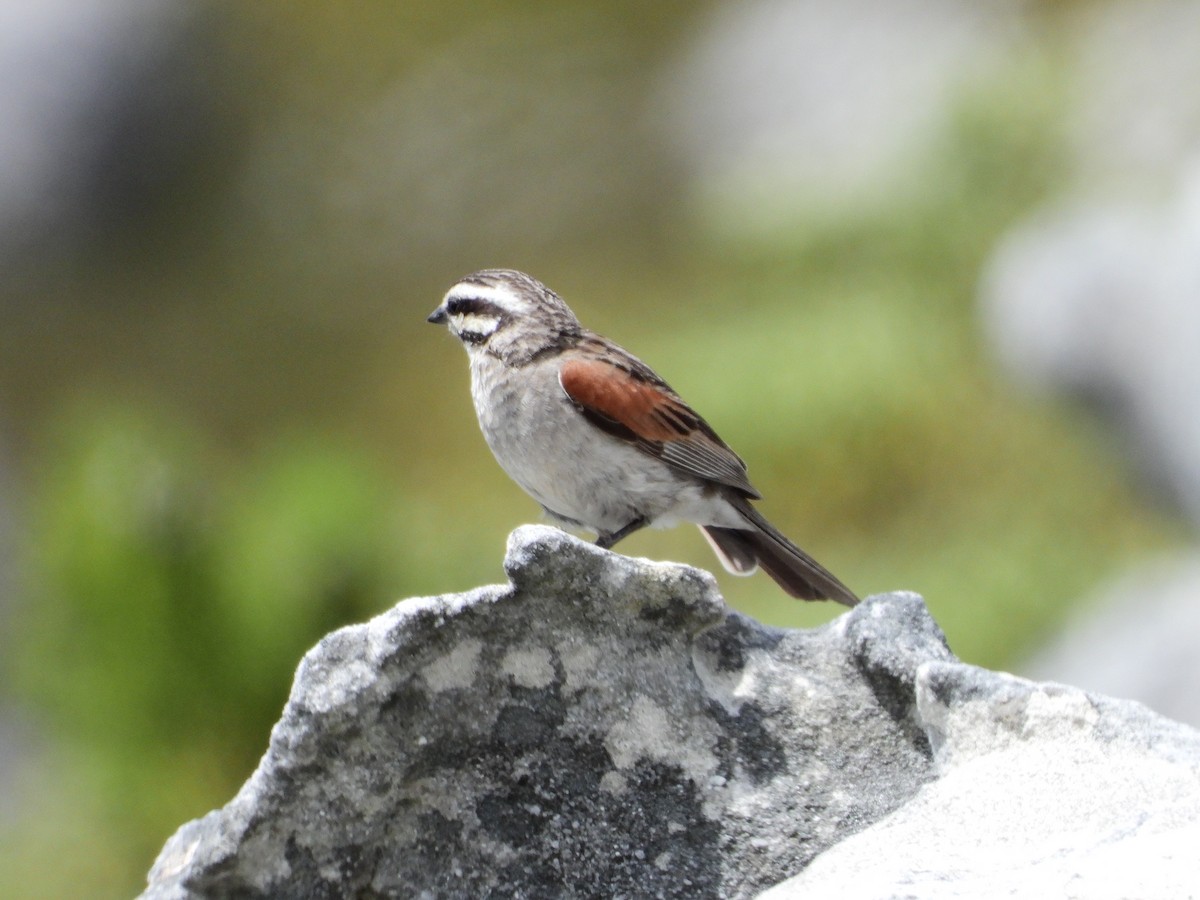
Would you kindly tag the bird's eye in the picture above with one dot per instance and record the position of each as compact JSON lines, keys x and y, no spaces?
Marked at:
{"x":466,"y":306}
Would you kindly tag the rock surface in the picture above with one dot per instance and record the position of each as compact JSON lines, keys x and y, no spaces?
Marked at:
{"x":607,"y":727}
{"x":1135,"y":639}
{"x":1042,"y":791}
{"x":1099,"y":301}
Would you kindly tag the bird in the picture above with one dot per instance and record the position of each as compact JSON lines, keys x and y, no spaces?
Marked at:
{"x":603,"y":443}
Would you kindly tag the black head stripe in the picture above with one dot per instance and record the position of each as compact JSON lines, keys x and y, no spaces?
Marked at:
{"x":474,"y":306}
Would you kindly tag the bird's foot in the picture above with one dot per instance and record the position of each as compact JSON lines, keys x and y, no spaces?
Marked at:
{"x":607,"y":540}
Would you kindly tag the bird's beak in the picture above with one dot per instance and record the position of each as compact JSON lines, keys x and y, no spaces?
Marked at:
{"x":438,"y":316}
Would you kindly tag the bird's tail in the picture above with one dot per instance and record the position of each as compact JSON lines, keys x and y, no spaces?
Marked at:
{"x":741,"y":550}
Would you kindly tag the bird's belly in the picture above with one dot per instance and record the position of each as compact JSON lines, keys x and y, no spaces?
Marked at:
{"x":579,"y":473}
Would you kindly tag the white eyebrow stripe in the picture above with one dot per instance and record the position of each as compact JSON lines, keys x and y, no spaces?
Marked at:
{"x":502,"y":297}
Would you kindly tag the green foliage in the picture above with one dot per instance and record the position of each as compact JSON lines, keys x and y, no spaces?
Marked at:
{"x":120,"y":584}
{"x":852,"y":379}
{"x":171,"y":585}
{"x":169,"y":602}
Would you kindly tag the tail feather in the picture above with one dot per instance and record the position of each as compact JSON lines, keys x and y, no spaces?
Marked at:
{"x":795,"y":571}
{"x":735,"y":554}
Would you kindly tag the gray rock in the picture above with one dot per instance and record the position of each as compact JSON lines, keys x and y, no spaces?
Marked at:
{"x":1100,"y":302}
{"x":607,"y":727}
{"x":109,"y":108}
{"x":752,"y":109}
{"x":603,"y":726}
{"x":1042,"y":791}
{"x":1136,"y":639}
{"x":1127,"y":119}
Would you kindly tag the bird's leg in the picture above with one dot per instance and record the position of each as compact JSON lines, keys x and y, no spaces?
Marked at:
{"x":608,"y":540}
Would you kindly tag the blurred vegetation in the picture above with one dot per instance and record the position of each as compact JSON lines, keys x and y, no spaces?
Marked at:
{"x":243,"y":435}
{"x":167,"y":608}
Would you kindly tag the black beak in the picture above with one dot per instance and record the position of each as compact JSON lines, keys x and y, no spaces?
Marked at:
{"x":438,"y":316}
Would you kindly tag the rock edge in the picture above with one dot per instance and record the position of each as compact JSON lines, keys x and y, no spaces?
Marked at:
{"x":606,"y":726}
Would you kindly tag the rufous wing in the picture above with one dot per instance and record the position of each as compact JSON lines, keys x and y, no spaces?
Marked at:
{"x":628,"y":401}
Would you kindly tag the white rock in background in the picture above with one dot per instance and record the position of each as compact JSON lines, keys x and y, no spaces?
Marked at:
{"x":779,"y":104}
{"x":106,"y":106}
{"x":1137,"y":640}
{"x":1135,"y":110}
{"x":1100,"y":298}
{"x":1103,"y":301}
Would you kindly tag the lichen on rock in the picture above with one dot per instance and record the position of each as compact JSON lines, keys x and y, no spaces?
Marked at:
{"x":604,"y":726}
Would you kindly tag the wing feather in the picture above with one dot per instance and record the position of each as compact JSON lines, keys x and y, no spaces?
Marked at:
{"x":624,"y":398}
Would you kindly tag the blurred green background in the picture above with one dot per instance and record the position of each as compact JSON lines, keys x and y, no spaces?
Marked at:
{"x":227,"y":428}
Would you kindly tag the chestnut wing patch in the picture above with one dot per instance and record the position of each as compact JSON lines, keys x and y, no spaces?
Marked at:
{"x":629,"y":402}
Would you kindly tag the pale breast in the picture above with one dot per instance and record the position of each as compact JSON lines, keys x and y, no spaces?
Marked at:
{"x":564,"y":462}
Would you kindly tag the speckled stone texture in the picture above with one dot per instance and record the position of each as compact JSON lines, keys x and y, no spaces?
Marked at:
{"x":606,"y":727}
{"x":600,"y":727}
{"x":1043,"y":790}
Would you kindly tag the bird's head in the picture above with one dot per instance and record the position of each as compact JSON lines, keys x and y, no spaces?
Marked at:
{"x":506,"y":313}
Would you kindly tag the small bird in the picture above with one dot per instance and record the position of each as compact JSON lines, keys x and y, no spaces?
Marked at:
{"x":600,"y":441}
